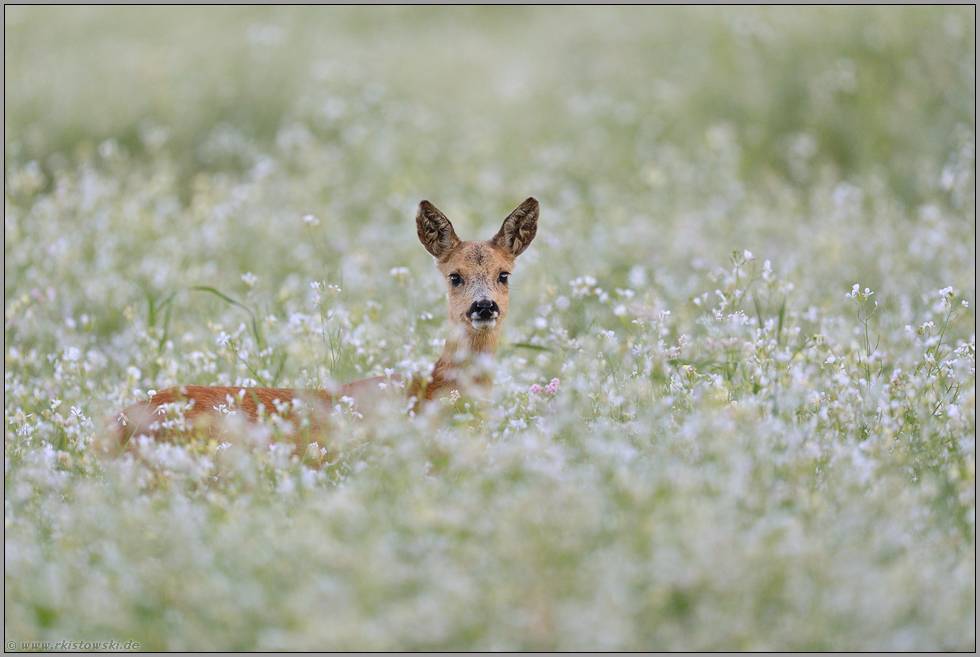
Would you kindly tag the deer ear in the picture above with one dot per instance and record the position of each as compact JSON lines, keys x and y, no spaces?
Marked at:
{"x":435,"y":231}
{"x":518,"y":229}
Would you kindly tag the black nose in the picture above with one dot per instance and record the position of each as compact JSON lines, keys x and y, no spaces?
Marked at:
{"x":484,"y":309}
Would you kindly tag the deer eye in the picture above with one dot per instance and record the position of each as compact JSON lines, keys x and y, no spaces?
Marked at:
{"x":503,"y":277}
{"x":456,"y":280}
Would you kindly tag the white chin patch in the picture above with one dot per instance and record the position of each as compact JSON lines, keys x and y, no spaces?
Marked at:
{"x":483,"y":324}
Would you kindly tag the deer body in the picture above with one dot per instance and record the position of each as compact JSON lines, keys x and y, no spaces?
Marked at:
{"x":476,"y":274}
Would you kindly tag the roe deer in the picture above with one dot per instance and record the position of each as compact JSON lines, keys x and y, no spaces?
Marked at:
{"x":477,"y":275}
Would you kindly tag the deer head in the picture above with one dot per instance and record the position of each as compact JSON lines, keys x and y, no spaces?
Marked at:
{"x":477,"y":274}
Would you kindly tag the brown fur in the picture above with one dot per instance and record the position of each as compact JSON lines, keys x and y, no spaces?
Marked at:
{"x":465,"y":364}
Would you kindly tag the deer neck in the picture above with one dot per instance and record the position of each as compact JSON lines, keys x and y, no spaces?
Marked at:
{"x":467,"y":360}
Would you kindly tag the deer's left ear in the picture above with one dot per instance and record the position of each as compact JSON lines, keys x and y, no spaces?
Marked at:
{"x":518,"y":229}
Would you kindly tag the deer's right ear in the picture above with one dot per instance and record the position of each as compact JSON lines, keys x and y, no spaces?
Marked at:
{"x":435,"y":231}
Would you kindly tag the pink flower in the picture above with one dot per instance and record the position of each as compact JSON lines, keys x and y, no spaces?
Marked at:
{"x":552,"y":388}
{"x":535,"y":389}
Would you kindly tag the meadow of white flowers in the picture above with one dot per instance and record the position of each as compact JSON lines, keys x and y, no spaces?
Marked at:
{"x":735,"y":399}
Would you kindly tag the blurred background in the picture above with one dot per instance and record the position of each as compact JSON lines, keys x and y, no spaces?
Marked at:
{"x":885,"y":89}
